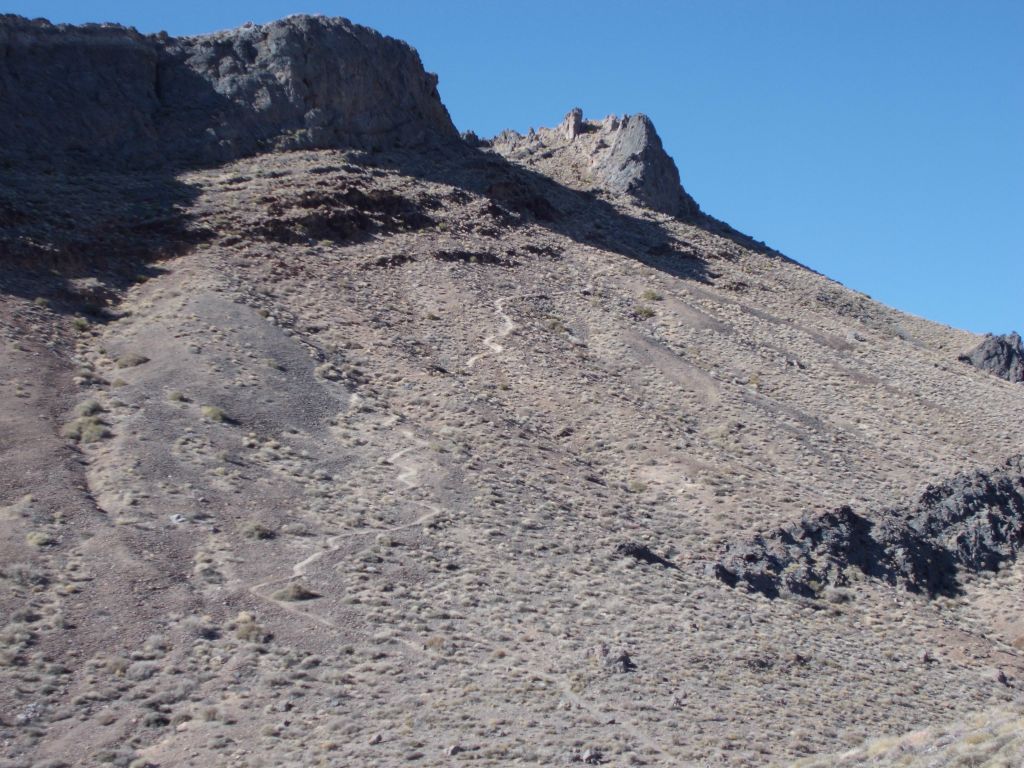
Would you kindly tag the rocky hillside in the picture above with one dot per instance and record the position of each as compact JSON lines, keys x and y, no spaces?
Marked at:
{"x":339,"y":448}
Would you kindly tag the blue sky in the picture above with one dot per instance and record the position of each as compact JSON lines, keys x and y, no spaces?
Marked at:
{"x":881,"y":143}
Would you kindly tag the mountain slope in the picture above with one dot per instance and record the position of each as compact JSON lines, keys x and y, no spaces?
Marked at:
{"x":351,"y":457}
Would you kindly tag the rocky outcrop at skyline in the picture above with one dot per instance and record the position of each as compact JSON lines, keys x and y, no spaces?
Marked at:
{"x":620,"y":156}
{"x":107,"y":93}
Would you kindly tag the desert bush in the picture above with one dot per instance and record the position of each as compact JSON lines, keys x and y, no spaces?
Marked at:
{"x":85,"y":429}
{"x":295,"y":592}
{"x":131,"y":359}
{"x":246,"y":628}
{"x":258,"y":531}
{"x":40,"y":539}
{"x":213,"y":413}
{"x":89,"y":408}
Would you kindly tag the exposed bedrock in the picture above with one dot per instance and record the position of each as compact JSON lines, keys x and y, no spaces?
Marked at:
{"x":970,"y":523}
{"x":1002,"y":356}
{"x":107,"y":93}
{"x":623,"y":156}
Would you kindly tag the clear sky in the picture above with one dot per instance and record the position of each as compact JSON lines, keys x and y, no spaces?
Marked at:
{"x":878,"y":142}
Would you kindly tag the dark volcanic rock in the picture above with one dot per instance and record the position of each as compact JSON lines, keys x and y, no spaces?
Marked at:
{"x":973,"y":522}
{"x":1002,"y":356}
{"x":108,"y":93}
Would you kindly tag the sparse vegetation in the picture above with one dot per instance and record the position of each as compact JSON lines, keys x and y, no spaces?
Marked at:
{"x":89,"y":408}
{"x":636,"y":486}
{"x":328,"y":371}
{"x":295,"y":592}
{"x":86,"y":429}
{"x":258,"y":531}
{"x":131,"y":360}
{"x":644,"y":312}
{"x":651,"y":295}
{"x":213,"y":413}
{"x":40,"y":539}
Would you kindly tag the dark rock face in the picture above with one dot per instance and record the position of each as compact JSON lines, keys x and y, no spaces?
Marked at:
{"x":636,"y":164}
{"x":973,"y":522}
{"x":108,"y":93}
{"x":1002,"y":356}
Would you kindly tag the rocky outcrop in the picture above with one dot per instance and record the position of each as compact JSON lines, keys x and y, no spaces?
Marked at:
{"x":1002,"y":356}
{"x":108,"y":93}
{"x":971,"y":523}
{"x":636,"y":164}
{"x":622,"y":156}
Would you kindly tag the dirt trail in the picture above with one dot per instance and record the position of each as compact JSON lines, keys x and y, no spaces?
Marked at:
{"x":508,"y":326}
{"x":405,"y":476}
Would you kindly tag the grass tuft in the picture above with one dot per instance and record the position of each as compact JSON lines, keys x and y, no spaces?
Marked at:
{"x":85,"y":429}
{"x":295,"y":592}
{"x":131,"y":359}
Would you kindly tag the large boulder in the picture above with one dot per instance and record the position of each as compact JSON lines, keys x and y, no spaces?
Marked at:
{"x":1002,"y":356}
{"x":108,"y":93}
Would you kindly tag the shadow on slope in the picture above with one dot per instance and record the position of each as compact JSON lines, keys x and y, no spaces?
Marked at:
{"x":518,"y":194}
{"x":76,"y":236}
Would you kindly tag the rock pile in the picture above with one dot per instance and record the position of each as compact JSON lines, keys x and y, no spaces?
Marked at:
{"x":973,"y":522}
